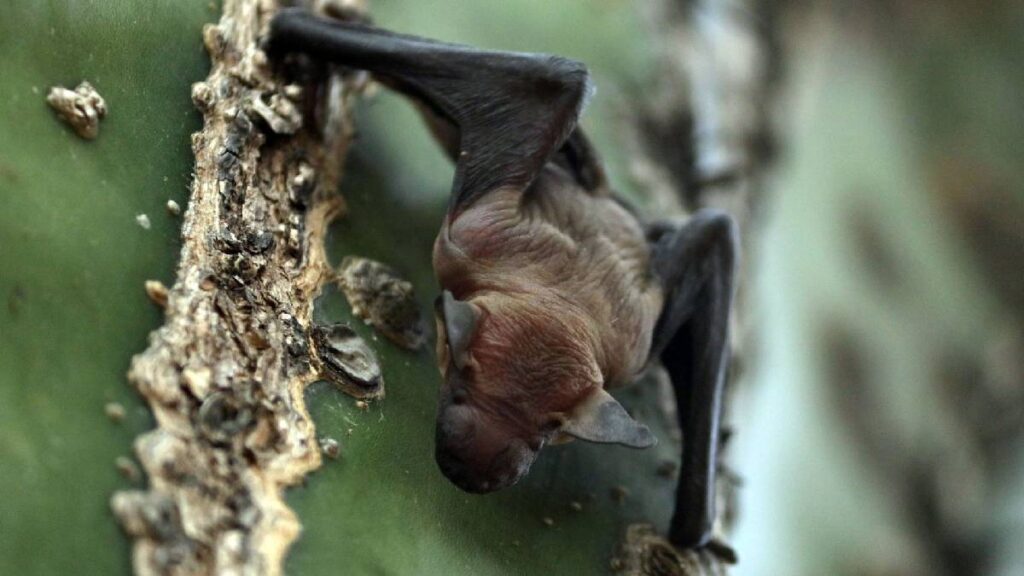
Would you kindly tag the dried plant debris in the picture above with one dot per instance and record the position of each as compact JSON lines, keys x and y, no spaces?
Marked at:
{"x":348,"y":361}
{"x":278,"y":112}
{"x":645,"y":553}
{"x":225,"y":375}
{"x":114,"y":411}
{"x":157,"y":292}
{"x":384,"y":300}
{"x":82,"y":108}
{"x":331,"y":448}
{"x":127,"y":468}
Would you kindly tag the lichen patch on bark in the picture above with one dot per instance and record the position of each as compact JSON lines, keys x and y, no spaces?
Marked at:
{"x":225,"y":375}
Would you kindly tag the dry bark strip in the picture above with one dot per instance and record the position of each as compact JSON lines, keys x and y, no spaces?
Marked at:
{"x":224,"y":376}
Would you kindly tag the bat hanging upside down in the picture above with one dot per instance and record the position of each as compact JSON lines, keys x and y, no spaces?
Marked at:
{"x":553,"y":291}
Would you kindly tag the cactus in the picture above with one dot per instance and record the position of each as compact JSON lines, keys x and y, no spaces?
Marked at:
{"x":85,"y":225}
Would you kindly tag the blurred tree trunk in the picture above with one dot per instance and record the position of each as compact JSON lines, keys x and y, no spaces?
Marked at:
{"x":890,"y":379}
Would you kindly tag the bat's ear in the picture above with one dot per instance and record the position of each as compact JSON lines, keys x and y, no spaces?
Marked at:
{"x":460,"y":323}
{"x":600,"y":418}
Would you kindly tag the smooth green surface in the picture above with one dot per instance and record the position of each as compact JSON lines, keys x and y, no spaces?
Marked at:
{"x":73,"y":260}
{"x":383,"y":507}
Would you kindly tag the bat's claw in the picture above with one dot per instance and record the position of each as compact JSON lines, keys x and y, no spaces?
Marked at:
{"x":723,"y":551}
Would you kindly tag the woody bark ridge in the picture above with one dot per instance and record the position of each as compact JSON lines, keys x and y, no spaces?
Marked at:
{"x":224,"y":376}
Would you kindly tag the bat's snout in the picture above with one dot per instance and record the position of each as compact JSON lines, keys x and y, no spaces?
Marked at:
{"x":478,"y":457}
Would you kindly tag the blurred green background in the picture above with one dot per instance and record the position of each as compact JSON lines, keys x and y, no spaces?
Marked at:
{"x":878,"y":417}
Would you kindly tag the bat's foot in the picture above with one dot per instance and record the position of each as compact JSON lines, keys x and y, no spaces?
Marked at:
{"x":644,"y":552}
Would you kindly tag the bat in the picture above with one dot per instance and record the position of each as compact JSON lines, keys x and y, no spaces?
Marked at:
{"x":553,"y":290}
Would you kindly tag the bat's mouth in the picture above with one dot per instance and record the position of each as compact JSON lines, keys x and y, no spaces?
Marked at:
{"x":506,"y":468}
{"x":476,"y":457}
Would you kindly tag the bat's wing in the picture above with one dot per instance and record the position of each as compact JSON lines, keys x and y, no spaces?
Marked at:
{"x":513,"y":111}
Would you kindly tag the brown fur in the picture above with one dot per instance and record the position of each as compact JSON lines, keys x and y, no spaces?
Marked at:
{"x":561,"y":278}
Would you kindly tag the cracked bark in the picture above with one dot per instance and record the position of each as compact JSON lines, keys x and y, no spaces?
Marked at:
{"x":225,"y":374}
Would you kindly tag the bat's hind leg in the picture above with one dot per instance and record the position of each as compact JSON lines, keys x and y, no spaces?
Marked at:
{"x":512,"y":111}
{"x":696,"y":263}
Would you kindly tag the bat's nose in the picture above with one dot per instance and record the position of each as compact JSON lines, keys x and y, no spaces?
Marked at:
{"x":455,"y":442}
{"x":501,"y":473}
{"x":476,"y":456}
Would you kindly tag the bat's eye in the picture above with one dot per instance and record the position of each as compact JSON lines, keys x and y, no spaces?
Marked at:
{"x":553,"y":423}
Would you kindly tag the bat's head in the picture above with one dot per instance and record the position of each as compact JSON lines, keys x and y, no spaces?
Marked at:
{"x":514,"y":381}
{"x":480,"y":453}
